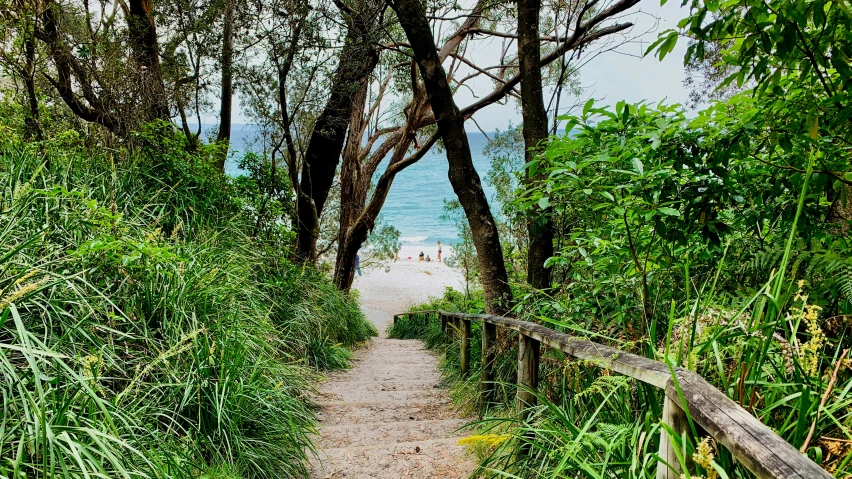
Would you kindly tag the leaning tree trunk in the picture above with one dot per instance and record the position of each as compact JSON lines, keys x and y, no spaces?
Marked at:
{"x":540,"y":222}
{"x":146,"y":55}
{"x":358,"y":59}
{"x":358,"y":231}
{"x":357,"y":217}
{"x":463,"y":176}
{"x":227,"y":96}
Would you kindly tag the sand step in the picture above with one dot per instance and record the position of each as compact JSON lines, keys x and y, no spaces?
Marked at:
{"x":437,"y":458}
{"x":388,"y":417}
{"x":393,"y":360}
{"x":374,"y":385}
{"x":417,"y":396}
{"x":366,"y":412}
{"x":388,"y":374}
{"x":376,"y":433}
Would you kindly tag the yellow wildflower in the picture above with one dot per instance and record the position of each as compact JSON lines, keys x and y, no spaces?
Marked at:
{"x":487,"y":440}
{"x":810,"y":351}
{"x":704,"y":457}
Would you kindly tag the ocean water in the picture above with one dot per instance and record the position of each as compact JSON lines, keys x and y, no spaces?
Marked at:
{"x":416,"y":201}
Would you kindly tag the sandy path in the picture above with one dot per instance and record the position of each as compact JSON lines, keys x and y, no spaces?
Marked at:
{"x":388,"y":417}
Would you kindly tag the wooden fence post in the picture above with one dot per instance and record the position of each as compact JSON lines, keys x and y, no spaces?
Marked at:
{"x":489,"y":340}
{"x":464,"y":357}
{"x":443,"y":319}
{"x":528,"y":357}
{"x":675,"y":418}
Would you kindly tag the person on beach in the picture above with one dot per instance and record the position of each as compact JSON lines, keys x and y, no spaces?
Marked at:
{"x":358,"y":264}
{"x":428,"y":258}
{"x":421,"y":256}
{"x":439,"y":251}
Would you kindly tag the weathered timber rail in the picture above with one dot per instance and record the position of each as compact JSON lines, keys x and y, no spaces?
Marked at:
{"x":761,"y":450}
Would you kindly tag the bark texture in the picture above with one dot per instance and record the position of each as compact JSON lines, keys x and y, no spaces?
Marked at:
{"x":358,"y":59}
{"x":463,"y":176}
{"x":540,"y":223}
{"x":32,"y":122}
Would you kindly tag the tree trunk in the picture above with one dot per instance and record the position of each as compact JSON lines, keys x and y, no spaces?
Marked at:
{"x":227,"y":96}
{"x":143,"y":41}
{"x":357,"y":233}
{"x":357,"y":61}
{"x":540,"y":223}
{"x":32,"y":123}
{"x":353,"y":194}
{"x":463,"y":176}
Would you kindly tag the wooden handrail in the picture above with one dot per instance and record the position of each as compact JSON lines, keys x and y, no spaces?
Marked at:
{"x":761,"y":450}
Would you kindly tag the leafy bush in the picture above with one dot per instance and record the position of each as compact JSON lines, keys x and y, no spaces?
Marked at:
{"x":143,"y":332}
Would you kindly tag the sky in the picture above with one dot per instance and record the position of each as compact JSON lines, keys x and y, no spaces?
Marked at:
{"x":620,"y":74}
{"x":611,"y":76}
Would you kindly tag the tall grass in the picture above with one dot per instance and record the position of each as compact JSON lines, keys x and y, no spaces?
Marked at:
{"x":143,"y":333}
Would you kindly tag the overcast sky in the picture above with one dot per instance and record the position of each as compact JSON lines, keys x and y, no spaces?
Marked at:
{"x":617,"y":75}
{"x":611,"y":76}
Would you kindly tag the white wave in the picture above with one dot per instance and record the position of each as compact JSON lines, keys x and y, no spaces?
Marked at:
{"x":413,"y":239}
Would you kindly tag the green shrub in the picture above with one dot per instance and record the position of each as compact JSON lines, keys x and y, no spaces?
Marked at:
{"x":143,"y":331}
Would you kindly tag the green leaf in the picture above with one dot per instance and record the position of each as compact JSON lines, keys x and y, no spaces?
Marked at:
{"x":637,"y":164}
{"x":813,"y":129}
{"x":544,"y":202}
{"x":667,"y":45}
{"x":668,"y":211}
{"x":589,"y":103}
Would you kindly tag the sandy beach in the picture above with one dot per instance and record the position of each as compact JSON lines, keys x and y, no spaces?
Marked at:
{"x":392,"y":287}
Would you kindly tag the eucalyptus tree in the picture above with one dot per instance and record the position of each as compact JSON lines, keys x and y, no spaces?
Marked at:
{"x":226,"y":64}
{"x":303,"y":76}
{"x":286,"y":66}
{"x":406,"y":130}
{"x":190,"y":33}
{"x":463,"y":175}
{"x":450,"y":119}
{"x":535,"y":130}
{"x":208,"y":39}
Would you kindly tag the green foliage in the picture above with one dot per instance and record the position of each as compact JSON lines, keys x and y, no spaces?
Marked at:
{"x":143,"y":331}
{"x":464,"y":255}
{"x":716,"y":242}
{"x":382,"y":245}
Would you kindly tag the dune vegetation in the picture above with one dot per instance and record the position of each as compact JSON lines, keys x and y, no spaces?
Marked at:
{"x":144,"y":332}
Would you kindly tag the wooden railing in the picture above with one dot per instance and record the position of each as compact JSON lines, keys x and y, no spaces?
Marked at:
{"x":755,"y":445}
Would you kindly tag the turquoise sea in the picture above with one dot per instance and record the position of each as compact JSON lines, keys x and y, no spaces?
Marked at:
{"x":416,"y":201}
